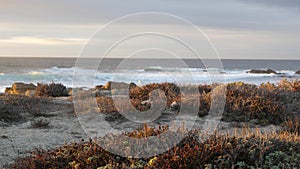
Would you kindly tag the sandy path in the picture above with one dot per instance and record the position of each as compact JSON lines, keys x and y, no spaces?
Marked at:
{"x":17,"y":140}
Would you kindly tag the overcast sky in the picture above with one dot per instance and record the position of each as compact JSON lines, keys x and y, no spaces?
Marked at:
{"x":239,"y":29}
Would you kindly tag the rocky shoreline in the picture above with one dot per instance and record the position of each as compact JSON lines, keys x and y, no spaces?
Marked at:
{"x":47,"y":122}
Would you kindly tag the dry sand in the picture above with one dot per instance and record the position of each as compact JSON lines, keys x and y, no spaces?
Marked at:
{"x":16,"y":140}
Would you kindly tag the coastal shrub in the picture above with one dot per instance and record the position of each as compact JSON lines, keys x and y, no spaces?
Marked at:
{"x":171,"y":90}
{"x":240,"y":150}
{"x":293,"y":86}
{"x":279,"y":159}
{"x":9,"y":113}
{"x":13,"y":108}
{"x":245,"y":102}
{"x":292,"y":125}
{"x":248,"y":101}
{"x":106,"y":104}
{"x":139,"y":97}
{"x":51,"y":90}
{"x":267,"y":103}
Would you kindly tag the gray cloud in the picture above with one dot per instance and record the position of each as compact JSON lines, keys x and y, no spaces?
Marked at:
{"x":279,"y":19}
{"x":229,"y":14}
{"x":278,"y":3}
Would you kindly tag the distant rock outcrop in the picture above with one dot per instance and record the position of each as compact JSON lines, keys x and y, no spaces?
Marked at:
{"x":20,"y":88}
{"x":30,"y":93}
{"x":255,"y":71}
{"x":51,"y":90}
{"x":117,"y":85}
{"x":298,"y":72}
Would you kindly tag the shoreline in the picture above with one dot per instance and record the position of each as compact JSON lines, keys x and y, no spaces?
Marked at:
{"x":229,"y":75}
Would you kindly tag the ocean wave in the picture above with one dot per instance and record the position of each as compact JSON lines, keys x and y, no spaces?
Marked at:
{"x":2,"y":89}
{"x":36,"y":73}
{"x":286,"y":72}
{"x":161,"y":69}
{"x":88,"y":78}
{"x":154,"y":69}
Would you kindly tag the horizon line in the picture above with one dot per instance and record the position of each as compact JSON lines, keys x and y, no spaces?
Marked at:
{"x":187,"y":58}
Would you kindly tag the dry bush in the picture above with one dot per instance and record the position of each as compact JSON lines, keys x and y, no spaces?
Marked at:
{"x":138,"y":96}
{"x":245,"y":149}
{"x":14,"y":107}
{"x":268,"y":103}
{"x":292,"y":125}
{"x":9,"y":113}
{"x":245,"y":102}
{"x":293,"y":86}
{"x":106,"y":104}
{"x":172,"y":92}
{"x":51,"y":90}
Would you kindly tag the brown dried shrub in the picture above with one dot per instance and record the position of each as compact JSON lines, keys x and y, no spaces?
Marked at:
{"x":51,"y":90}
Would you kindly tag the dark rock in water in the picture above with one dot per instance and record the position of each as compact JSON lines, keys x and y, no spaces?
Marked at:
{"x":298,"y":72}
{"x":255,"y":71}
{"x":20,"y":88}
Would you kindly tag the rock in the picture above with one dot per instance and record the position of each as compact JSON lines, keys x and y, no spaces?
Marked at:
{"x":8,"y":89}
{"x":132,"y":85}
{"x":30,"y":93}
{"x":298,"y":72}
{"x":98,"y":87}
{"x":104,"y":93}
{"x":174,"y":106}
{"x":20,"y":88}
{"x":70,"y":91}
{"x":107,"y":86}
{"x":255,"y":71}
{"x":146,"y":102}
{"x":116,"y":85}
{"x":4,"y":136}
{"x":40,"y":122}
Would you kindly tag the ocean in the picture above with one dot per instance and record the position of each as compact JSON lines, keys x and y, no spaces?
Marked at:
{"x":140,"y":71}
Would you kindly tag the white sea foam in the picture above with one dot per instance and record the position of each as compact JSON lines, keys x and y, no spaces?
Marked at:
{"x":35,"y":73}
{"x":89,"y":78}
